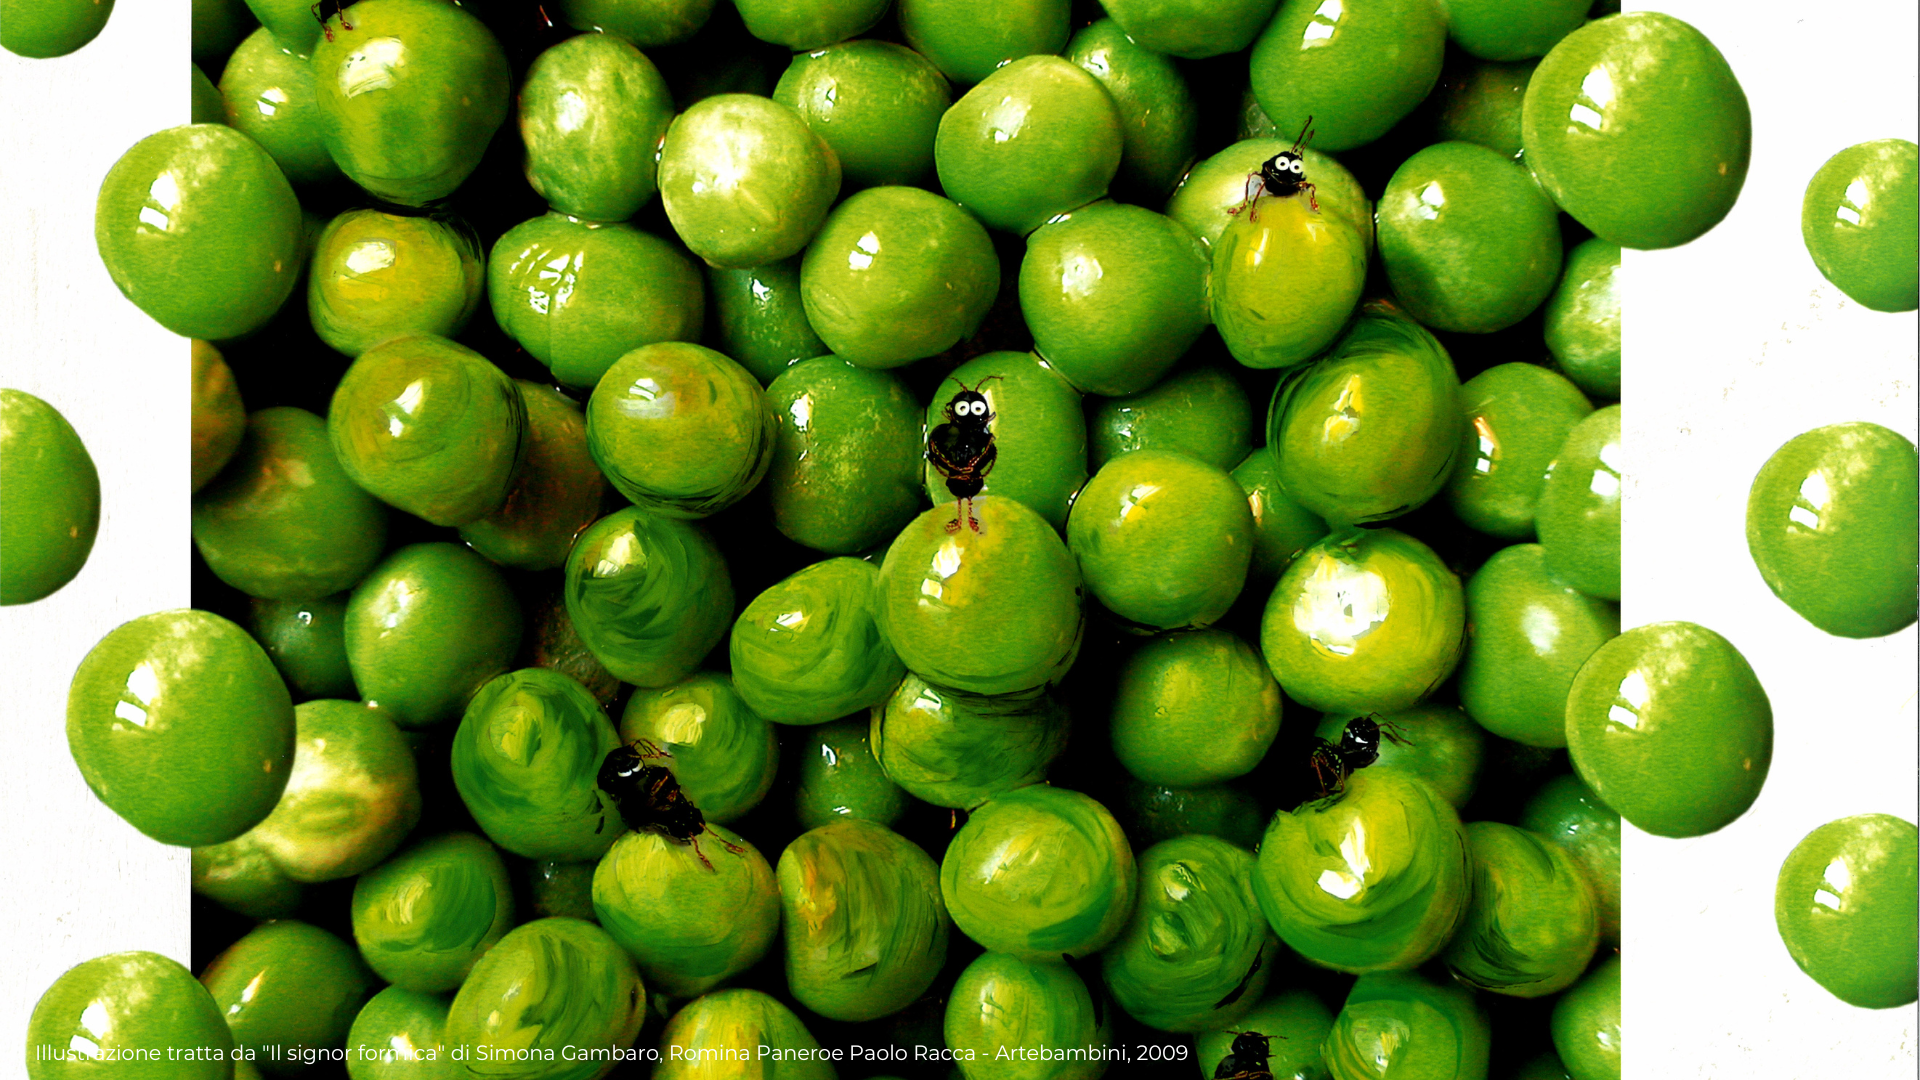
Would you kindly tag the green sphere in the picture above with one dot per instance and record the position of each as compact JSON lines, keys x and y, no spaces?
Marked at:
{"x":1583,"y":318}
{"x":399,"y":1035}
{"x":52,"y":510}
{"x":1353,"y":71}
{"x":680,"y":430}
{"x":992,"y":611}
{"x":1039,"y":432}
{"x":1039,"y":872}
{"x":307,"y":642}
{"x":179,"y":723}
{"x":1375,"y":879}
{"x":1578,"y":515}
{"x":1517,"y":417}
{"x":649,"y":596}
{"x":1567,"y":813}
{"x":352,"y":797}
{"x":1531,"y":927}
{"x":875,"y":103}
{"x":429,"y":426}
{"x":897,"y":274}
{"x":616,"y":289}
{"x":759,"y":318}
{"x":1402,"y":1027}
{"x":1439,"y":744}
{"x":744,"y":181}
{"x":1512,"y":29}
{"x":1191,"y":29}
{"x":969,"y":43}
{"x":1152,"y":814}
{"x":292,"y":24}
{"x":1846,"y":910}
{"x":1860,"y":220}
{"x":1668,"y":725}
{"x":1159,"y":119}
{"x":807,"y":650}
{"x":556,"y":491}
{"x":1586,"y":1025}
{"x":646,"y":25}
{"x":131,"y":1001}
{"x":1037,"y":138}
{"x":377,"y":275}
{"x":1630,"y":89}
{"x":1009,"y":1011}
{"x":959,"y":750}
{"x":410,"y":93}
{"x":1194,"y":709}
{"x":287,"y":987}
{"x":42,"y":29}
{"x":1163,"y":540}
{"x":549,"y":985}
{"x":1364,"y":621}
{"x":240,"y":876}
{"x":593,"y":110}
{"x":1480,"y":103}
{"x":1285,"y":282}
{"x":1529,"y":635}
{"x":200,"y":229}
{"x":526,"y":762}
{"x":732,"y":1026}
{"x":219,"y":417}
{"x":425,"y":917}
{"x":690,"y":920}
{"x":1212,"y":193}
{"x":803,"y":25}
{"x":1202,"y":412}
{"x":268,"y":94}
{"x":426,"y":628}
{"x":1297,"y":1023}
{"x":723,"y":753}
{"x":1830,"y":525}
{"x":847,"y":455}
{"x":1282,"y":528}
{"x":841,"y":778}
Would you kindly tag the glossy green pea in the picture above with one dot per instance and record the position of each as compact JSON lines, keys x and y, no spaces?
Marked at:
{"x":561,"y":888}
{"x":1578,"y":515}
{"x":1202,"y":412}
{"x":526,"y":761}
{"x":1282,"y":528}
{"x":1375,"y":879}
{"x":410,"y":93}
{"x":400,"y":1035}
{"x":219,"y":417}
{"x":40,"y":29}
{"x":1437,"y":743}
{"x":1512,"y":29}
{"x":1114,"y":294}
{"x":286,"y":987}
{"x":1830,"y":525}
{"x":646,"y":25}
{"x":1861,"y":222}
{"x":268,"y":94}
{"x":1668,"y":725}
{"x":897,"y":274}
{"x":351,"y":798}
{"x":1039,"y":431}
{"x":293,"y":24}
{"x":1038,"y":137}
{"x":807,"y":650}
{"x":1296,"y":1023}
{"x":841,"y":778}
{"x":556,"y":489}
{"x":987,"y":612}
{"x":1469,"y":242}
{"x":1196,"y":936}
{"x":549,"y":985}
{"x":376,"y":275}
{"x":1070,"y":891}
{"x":1530,"y":635}
{"x":744,"y":181}
{"x":217,"y":26}
{"x":723,"y":753}
{"x":649,"y":596}
{"x":1517,"y":418}
{"x":1583,"y":318}
{"x":425,"y":917}
{"x":803,"y":25}
{"x":306,"y":640}
{"x":1844,"y":904}
{"x":1194,"y":709}
{"x":847,"y":455}
{"x":1162,"y":539}
{"x":426,"y":628}
{"x":1566,"y":812}
{"x":122,"y":1003}
{"x":1007,"y":1011}
{"x":52,"y":510}
{"x":876,"y":103}
{"x":759,"y":318}
{"x":1218,"y":185}
{"x":1286,"y":279}
{"x":680,"y":429}
{"x":1586,"y":1025}
{"x":239,"y":875}
{"x":959,"y":750}
{"x":1402,"y":1027}
{"x":1159,"y":119}
{"x":1354,"y":70}
{"x":284,"y":521}
{"x":1634,"y":88}
{"x":1191,"y":29}
{"x":429,"y":426}
{"x":732,"y":1025}
{"x":1531,"y":927}
{"x":617,"y":288}
{"x":593,"y":110}
{"x":1152,"y":813}
{"x":689,"y":925}
{"x":200,"y":229}
{"x":179,"y":723}
{"x":968,"y":43}
{"x":1480,"y":103}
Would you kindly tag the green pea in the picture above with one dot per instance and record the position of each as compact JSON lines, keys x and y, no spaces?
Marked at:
{"x":617,"y":289}
{"x":1191,"y":29}
{"x":1153,"y":813}
{"x":1070,"y":891}
{"x":1566,"y":812}
{"x":268,"y":94}
{"x":1039,"y":432}
{"x":992,"y":611}
{"x":240,"y":876}
{"x":426,"y":628}
{"x":218,"y":25}
{"x":219,"y":418}
{"x":1437,"y":743}
{"x":1578,"y":515}
{"x":1517,"y":417}
{"x":803,"y":26}
{"x":1218,"y":185}
{"x":1530,"y":635}
{"x":1531,"y":927}
{"x":1159,"y":119}
{"x":1830,"y":526}
{"x":1296,"y":1023}
{"x":1512,"y":29}
{"x":847,"y":455}
{"x":841,"y":778}
{"x":1402,"y":1027}
{"x":52,"y":509}
{"x":1004,"y":1008}
{"x":1354,"y":70}
{"x":1845,"y":908}
{"x":1202,"y":412}
{"x":744,"y":181}
{"x":593,"y":110}
{"x":293,"y":24}
{"x":351,"y":798}
{"x":680,"y":429}
{"x":807,"y":650}
{"x":723,"y":753}
{"x":1194,"y":709}
{"x":399,"y":1035}
{"x":1282,"y":528}
{"x":409,"y":97}
{"x":200,"y":229}
{"x":969,"y":44}
{"x":645,"y":25}
{"x":959,"y":750}
{"x":1586,"y":1024}
{"x":285,"y":988}
{"x":689,"y":925}
{"x":526,"y":761}
{"x":1583,"y":318}
{"x":306,"y":640}
{"x":41,"y":29}
{"x":555,"y":493}
{"x":1163,"y":540}
{"x":1037,"y":138}
{"x":1861,"y":222}
{"x":1630,"y":89}
{"x":1469,"y":242}
{"x":876,"y":103}
{"x":732,"y":1025}
{"x":377,"y":275}
{"x":549,"y":984}
{"x":1480,"y":103}
{"x":1668,"y":725}
{"x":125,"y":1002}
{"x":1364,"y":621}
{"x":179,"y":723}
{"x":1374,"y":879}
{"x":649,"y":596}
{"x":425,"y":917}
{"x":760,"y":320}
{"x":1285,"y":281}
{"x":429,"y":426}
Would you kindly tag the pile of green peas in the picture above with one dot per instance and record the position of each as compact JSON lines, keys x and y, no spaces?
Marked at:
{"x":505,"y":648}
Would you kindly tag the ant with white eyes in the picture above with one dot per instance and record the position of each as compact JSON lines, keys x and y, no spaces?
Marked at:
{"x":1283,"y":175}
{"x":962,"y":449}
{"x":1358,"y":748}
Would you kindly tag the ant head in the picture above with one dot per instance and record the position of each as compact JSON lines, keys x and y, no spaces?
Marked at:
{"x":970,"y":405}
{"x":1250,"y":1042}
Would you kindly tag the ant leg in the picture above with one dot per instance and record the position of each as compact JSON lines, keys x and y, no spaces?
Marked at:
{"x":972,"y":522}
{"x":650,"y":749}
{"x":704,"y":861}
{"x":1313,"y":200}
{"x":959,"y":511}
{"x":724,"y":842}
{"x":1391,"y":732}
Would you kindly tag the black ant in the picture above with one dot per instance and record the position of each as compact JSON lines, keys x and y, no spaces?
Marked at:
{"x":1282,"y":175}
{"x":650,"y":799}
{"x":1359,"y":747}
{"x":1248,"y":1058}
{"x":339,"y":8}
{"x":962,"y":449}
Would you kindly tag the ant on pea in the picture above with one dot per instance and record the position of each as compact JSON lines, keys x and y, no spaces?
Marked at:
{"x":339,"y":8}
{"x":650,"y":798}
{"x":1283,"y":175}
{"x":962,"y":449}
{"x":1247,"y":1060}
{"x":1358,"y":748}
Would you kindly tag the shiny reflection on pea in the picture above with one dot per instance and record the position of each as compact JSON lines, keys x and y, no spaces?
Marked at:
{"x":1323,"y":24}
{"x":1340,"y":604}
{"x":376,"y":66}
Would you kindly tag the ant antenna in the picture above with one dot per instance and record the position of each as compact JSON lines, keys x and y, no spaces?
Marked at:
{"x":1306,"y":132}
{"x":975,"y":388}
